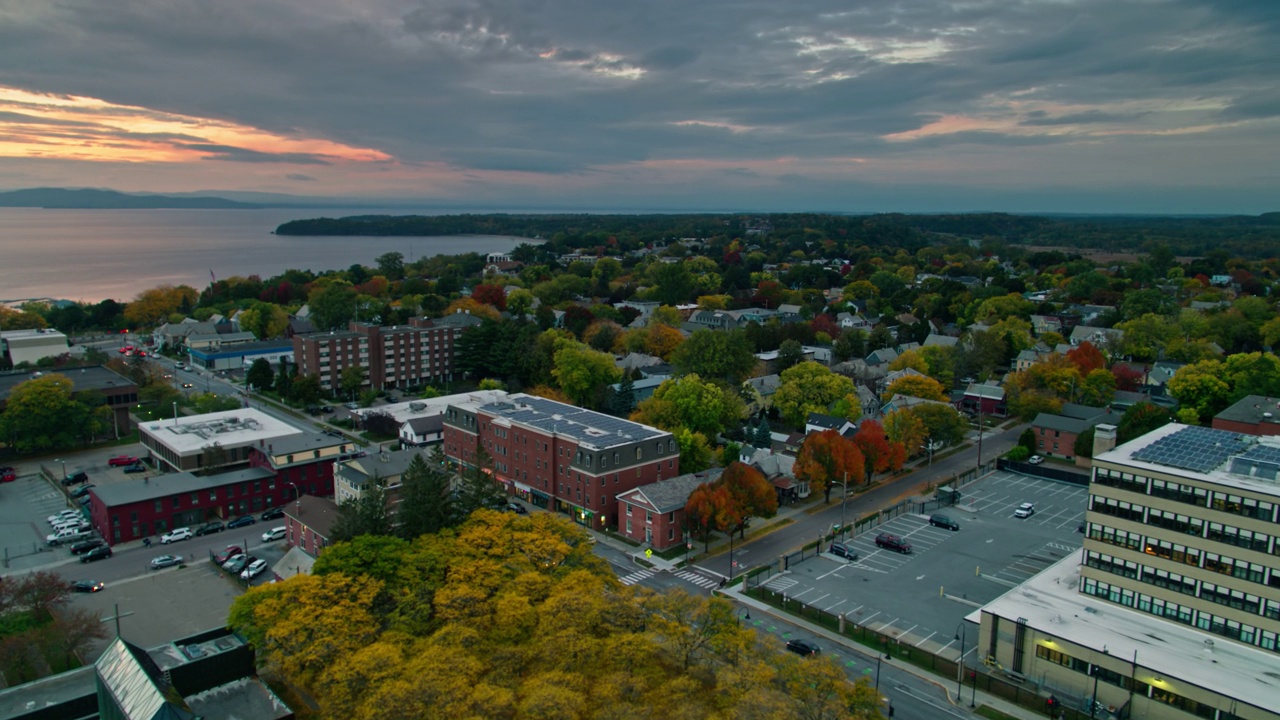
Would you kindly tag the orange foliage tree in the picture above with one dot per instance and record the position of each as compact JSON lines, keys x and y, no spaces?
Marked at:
{"x":711,"y":507}
{"x":827,"y":458}
{"x":1087,"y":358}
{"x":879,"y":453}
{"x":490,"y":294}
{"x":755,"y":496}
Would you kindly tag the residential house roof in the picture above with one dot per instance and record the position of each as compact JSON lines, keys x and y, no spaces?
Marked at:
{"x":984,"y":390}
{"x":936,"y":340}
{"x":669,"y":495}
{"x":766,"y":385}
{"x":1252,"y":410}
{"x":1077,"y":425}
{"x":319,"y":514}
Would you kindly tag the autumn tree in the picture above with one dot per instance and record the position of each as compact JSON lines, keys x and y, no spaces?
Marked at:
{"x":1086,"y":358}
{"x":755,"y":496}
{"x":332,"y":304}
{"x":942,"y":423}
{"x":154,"y":306}
{"x":711,"y":507}
{"x":811,"y":387}
{"x":916,"y":386}
{"x":716,"y":354}
{"x":42,"y":414}
{"x":879,"y":453}
{"x":695,"y":450}
{"x":1141,"y":419}
{"x":490,"y":294}
{"x":827,"y":458}
{"x":690,"y":402}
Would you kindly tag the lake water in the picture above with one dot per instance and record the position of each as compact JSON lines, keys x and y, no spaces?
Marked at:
{"x":91,"y":255}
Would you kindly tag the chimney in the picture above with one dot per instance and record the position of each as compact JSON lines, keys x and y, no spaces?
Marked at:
{"x":1104,"y":439}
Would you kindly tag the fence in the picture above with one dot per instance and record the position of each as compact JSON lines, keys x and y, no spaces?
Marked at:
{"x":1048,"y":473}
{"x":1025,"y":692}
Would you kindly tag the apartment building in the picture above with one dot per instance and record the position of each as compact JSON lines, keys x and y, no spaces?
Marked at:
{"x":1172,"y":607}
{"x":398,"y":356}
{"x":559,"y":456}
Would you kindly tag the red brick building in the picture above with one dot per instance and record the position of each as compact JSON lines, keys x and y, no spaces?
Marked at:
{"x":984,"y":398}
{"x":309,"y":523}
{"x":399,"y":356}
{"x":559,"y":456}
{"x":1056,"y":433}
{"x":654,"y":514}
{"x":1253,"y":415}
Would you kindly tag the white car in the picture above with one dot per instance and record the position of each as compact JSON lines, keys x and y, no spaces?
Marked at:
{"x":175,"y":535}
{"x":63,"y":516}
{"x":1035,"y":459}
{"x":254,"y":569}
{"x":1025,"y":510}
{"x":275,"y":533}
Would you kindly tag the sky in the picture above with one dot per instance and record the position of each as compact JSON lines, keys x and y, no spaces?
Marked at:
{"x":1117,"y":106}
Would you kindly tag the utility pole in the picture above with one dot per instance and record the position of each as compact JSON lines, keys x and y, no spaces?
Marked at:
{"x":843,"y":499}
{"x":981,"y":429}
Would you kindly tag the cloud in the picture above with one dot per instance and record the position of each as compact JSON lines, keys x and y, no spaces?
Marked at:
{"x":489,"y":99}
{"x":300,"y":177}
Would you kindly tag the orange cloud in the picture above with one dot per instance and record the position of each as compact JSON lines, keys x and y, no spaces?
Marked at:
{"x":34,"y":125}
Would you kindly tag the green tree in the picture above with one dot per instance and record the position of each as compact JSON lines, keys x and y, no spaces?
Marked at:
{"x":582,"y":373}
{"x":306,"y":389}
{"x":716,"y":354}
{"x":942,"y":423}
{"x":351,"y":380}
{"x":812,"y":387}
{"x":852,"y":343}
{"x":689,"y":401}
{"x":1202,"y":386}
{"x":42,"y":414}
{"x":477,"y":488}
{"x":790,"y":354}
{"x":367,"y":514}
{"x":425,"y":503}
{"x":391,"y":265}
{"x":260,"y":375}
{"x":695,"y":451}
{"x":623,"y":400}
{"x":333,"y":305}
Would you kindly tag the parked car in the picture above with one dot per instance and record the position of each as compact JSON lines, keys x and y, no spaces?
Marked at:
{"x":85,"y":546}
{"x":64,"y":515}
{"x":803,"y":647}
{"x":71,"y":523}
{"x":165,"y":561}
{"x":176,"y":534}
{"x":1035,"y":459}
{"x":225,"y":555}
{"x":210,"y":528}
{"x":180,"y":366}
{"x":237,"y":563}
{"x":275,"y":533}
{"x":517,"y":508}
{"x":135,"y":468}
{"x":272,"y":514}
{"x":99,"y":553}
{"x":242,"y":521}
{"x":89,"y":586}
{"x":67,"y":535}
{"x":893,"y":542}
{"x":353,"y":405}
{"x":75,"y":478}
{"x":187,"y":385}
{"x":326,"y":408}
{"x":253,"y":569}
{"x":943,"y":521}
{"x":844,"y":551}
{"x":8,"y":474}
{"x":1025,"y":510}
{"x":121,"y":461}
{"x":82,"y":491}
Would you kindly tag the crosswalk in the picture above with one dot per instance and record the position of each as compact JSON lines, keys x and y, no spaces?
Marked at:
{"x":689,"y":576}
{"x":636,"y":577}
{"x":697,"y":579}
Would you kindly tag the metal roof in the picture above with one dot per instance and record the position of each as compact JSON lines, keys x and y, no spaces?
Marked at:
{"x":589,"y":428}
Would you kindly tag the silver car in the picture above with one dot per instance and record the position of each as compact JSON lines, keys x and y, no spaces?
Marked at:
{"x":165,"y":561}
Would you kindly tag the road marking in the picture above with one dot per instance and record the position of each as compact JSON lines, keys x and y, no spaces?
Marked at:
{"x":867,"y":619}
{"x":833,"y":607}
{"x":919,"y":577}
{"x":926,"y":638}
{"x":797,"y":596}
{"x":815,"y":601}
{"x":838,"y":569}
{"x":636,"y":577}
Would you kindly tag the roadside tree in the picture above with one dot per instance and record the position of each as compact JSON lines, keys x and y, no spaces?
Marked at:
{"x":827,"y":458}
{"x":812,"y":387}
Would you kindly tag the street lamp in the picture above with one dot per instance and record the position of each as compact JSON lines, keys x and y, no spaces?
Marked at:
{"x":744,"y":614}
{"x":960,"y":662}
{"x":64,"y":468}
{"x":843,"y":500}
{"x":1093,"y":704}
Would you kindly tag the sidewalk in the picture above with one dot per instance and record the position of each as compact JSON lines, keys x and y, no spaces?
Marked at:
{"x":735,"y":595}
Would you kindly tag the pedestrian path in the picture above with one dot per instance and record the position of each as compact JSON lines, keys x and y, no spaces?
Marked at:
{"x":636,"y":577}
{"x":698,"y":579}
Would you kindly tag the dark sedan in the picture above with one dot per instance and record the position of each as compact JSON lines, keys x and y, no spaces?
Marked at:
{"x":135,"y":468}
{"x":272,"y":514}
{"x":99,"y":553}
{"x":87,"y":586}
{"x":242,"y":521}
{"x":81,"y":548}
{"x":210,"y":528}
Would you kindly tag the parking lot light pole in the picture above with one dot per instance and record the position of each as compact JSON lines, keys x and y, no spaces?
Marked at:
{"x":844,"y":498}
{"x":64,"y":468}
{"x":960,"y":662}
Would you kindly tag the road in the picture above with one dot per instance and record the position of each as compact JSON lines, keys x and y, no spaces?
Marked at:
{"x":131,"y":560}
{"x":770,"y":547}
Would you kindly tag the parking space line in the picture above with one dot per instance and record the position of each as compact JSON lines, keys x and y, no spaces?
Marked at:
{"x":867,"y":619}
{"x":833,"y":607}
{"x":795,"y":597}
{"x":926,"y":638}
{"x":815,"y":601}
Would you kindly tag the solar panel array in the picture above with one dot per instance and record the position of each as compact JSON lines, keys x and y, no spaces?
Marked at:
{"x":588,"y":427}
{"x":1197,"y":449}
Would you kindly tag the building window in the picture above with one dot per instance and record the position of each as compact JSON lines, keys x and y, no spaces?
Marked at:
{"x":648,"y":517}
{"x":628,"y":512}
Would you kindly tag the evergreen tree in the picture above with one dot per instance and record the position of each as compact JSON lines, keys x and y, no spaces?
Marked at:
{"x":477,"y":487}
{"x":425,"y":504}
{"x":366,"y":515}
{"x":762,"y":436}
{"x":260,"y":374}
{"x":623,"y":400}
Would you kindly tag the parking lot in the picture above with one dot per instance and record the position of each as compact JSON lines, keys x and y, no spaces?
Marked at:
{"x":922,"y":597}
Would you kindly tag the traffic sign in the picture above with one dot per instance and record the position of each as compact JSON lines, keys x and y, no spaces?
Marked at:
{"x":648,"y":553}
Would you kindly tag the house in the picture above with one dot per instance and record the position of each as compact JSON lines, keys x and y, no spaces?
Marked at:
{"x":779,"y":470}
{"x":936,"y":340}
{"x":818,"y":422}
{"x":1160,"y":374}
{"x":985,"y":399}
{"x":883,"y":356}
{"x":635,"y":361}
{"x":1252,"y":415}
{"x":653,"y":514}
{"x":309,"y":523}
{"x":420,"y":431}
{"x":1041,"y":324}
{"x":762,"y":389}
{"x":903,"y":402}
{"x":1056,"y":433}
{"x":353,"y":475}
{"x":789,"y":313}
{"x":851,"y":321}
{"x":217,"y":341}
{"x":1101,"y":338}
{"x":644,"y":388}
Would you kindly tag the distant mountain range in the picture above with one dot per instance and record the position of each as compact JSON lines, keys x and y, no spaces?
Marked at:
{"x":62,"y":198}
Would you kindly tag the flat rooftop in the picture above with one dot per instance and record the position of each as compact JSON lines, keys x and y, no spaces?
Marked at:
{"x":1230,"y":459}
{"x":1052,"y":605}
{"x":229,"y":428}
{"x":163,"y":486}
{"x":403,"y":412}
{"x":587,"y":427}
{"x":94,"y":377}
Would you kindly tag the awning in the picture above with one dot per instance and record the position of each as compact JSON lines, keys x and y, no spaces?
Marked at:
{"x":522,"y":487}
